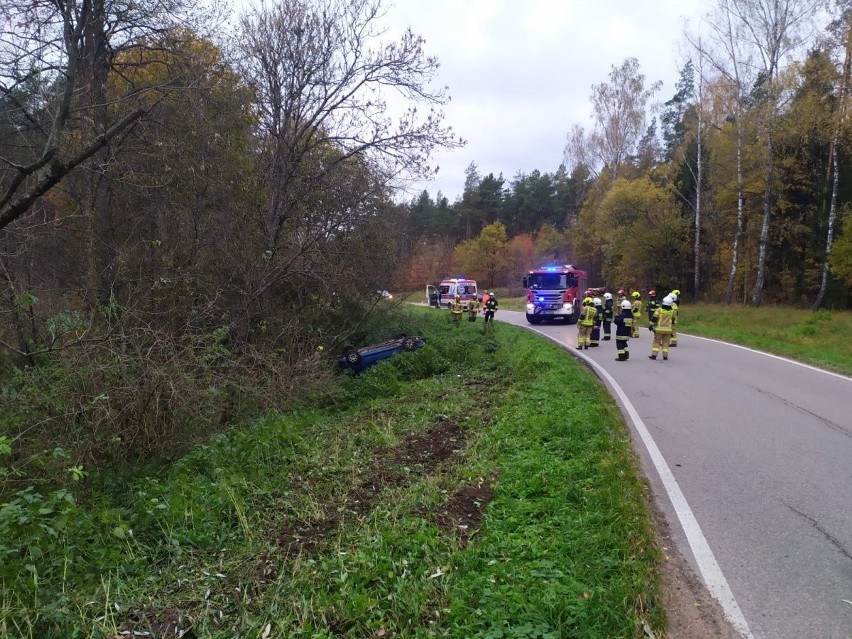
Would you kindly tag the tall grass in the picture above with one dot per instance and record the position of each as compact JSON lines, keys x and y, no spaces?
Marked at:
{"x":822,"y":339}
{"x":269,"y":530}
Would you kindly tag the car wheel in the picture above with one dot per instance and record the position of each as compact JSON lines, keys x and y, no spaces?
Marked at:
{"x":533,"y":319}
{"x":409,"y":344}
{"x":352,"y":356}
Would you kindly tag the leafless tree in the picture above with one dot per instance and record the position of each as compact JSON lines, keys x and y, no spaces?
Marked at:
{"x":727,"y":52}
{"x":773,"y":30}
{"x":840,"y":120}
{"x":619,"y":109}
{"x":327,"y":86}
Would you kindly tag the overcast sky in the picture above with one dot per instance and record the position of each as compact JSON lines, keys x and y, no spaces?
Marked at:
{"x":520,"y":72}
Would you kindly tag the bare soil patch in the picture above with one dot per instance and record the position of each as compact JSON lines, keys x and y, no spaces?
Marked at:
{"x":418,"y":454}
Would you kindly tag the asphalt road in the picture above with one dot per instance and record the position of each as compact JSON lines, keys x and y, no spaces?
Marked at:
{"x":750,"y":457}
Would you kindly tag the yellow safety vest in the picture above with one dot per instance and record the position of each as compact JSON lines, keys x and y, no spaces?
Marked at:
{"x":588,"y":316}
{"x":663,"y":320}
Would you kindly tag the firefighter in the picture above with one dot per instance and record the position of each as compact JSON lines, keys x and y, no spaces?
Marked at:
{"x":636,"y":307}
{"x":608,"y":315}
{"x":675,"y":295}
{"x":623,"y":330}
{"x":585,"y":323}
{"x":652,"y":306}
{"x":596,"y":329}
{"x":472,"y":308}
{"x":456,"y":309}
{"x":621,"y":296}
{"x":490,"y":308}
{"x":663,"y":326}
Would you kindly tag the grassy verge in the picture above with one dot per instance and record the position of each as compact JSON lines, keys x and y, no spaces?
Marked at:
{"x":822,"y":339}
{"x":484,"y":486}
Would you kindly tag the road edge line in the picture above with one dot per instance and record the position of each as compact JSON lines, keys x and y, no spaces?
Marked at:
{"x":709,"y":568}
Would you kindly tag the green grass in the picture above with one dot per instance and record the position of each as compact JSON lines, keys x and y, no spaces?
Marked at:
{"x":565,"y":547}
{"x":821,"y":339}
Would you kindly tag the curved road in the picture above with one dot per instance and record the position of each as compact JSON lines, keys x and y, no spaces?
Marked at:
{"x":755,"y":455}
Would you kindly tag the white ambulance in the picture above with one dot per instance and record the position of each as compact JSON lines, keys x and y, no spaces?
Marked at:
{"x":444,"y":294}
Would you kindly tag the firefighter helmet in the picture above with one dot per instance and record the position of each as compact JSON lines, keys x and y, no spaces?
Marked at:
{"x":597,"y":301}
{"x":625,"y":304}
{"x":676,"y":293}
{"x":636,"y":295}
{"x":458,"y":297}
{"x":652,"y":293}
{"x":607,"y":296}
{"x":667,"y":300}
{"x":621,"y":291}
{"x":587,"y":301}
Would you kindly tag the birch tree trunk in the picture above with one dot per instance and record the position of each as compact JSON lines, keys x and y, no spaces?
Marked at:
{"x":738,"y":233}
{"x":757,"y":292}
{"x":698,"y":185}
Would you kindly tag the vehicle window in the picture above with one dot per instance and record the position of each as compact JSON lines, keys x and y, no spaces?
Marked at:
{"x":445,"y":289}
{"x":547,"y":281}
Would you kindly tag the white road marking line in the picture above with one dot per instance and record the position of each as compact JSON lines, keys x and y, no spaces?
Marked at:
{"x":704,"y":557}
{"x":783,"y":359}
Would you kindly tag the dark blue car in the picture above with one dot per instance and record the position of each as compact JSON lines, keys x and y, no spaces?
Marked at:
{"x":357,"y":359}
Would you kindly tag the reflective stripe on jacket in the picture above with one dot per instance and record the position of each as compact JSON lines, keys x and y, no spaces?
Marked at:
{"x":663,"y":320}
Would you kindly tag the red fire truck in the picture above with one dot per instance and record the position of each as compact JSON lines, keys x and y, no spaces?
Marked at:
{"x":554,"y":292}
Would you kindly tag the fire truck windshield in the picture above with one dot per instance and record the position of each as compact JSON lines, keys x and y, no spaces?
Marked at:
{"x":551,"y":281}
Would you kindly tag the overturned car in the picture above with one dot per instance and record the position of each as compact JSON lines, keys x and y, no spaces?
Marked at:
{"x":357,"y":359}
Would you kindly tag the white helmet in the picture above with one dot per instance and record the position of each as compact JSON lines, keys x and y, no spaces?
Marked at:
{"x":597,"y":301}
{"x":607,"y":296}
{"x":626,"y":304}
{"x":667,"y":300}
{"x":673,"y":295}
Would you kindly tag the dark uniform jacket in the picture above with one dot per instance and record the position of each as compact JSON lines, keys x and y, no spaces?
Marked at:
{"x":624,"y":323}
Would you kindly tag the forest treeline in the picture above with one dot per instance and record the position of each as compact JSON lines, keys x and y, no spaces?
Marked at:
{"x":191,"y":206}
{"x":736,"y":188}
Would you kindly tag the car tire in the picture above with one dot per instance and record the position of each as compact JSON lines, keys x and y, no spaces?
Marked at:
{"x":533,"y":319}
{"x":409,"y":344}
{"x":353,"y":357}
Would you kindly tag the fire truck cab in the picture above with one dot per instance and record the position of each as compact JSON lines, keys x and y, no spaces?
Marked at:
{"x":554,"y":292}
{"x":449,"y":288}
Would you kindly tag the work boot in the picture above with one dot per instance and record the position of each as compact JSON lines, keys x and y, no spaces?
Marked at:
{"x":606,"y":338}
{"x":665,"y":356}
{"x":620,"y":359}
{"x":652,"y":357}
